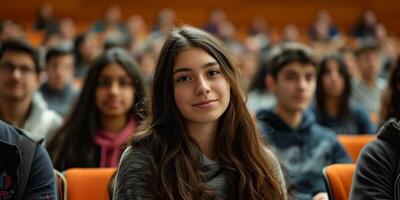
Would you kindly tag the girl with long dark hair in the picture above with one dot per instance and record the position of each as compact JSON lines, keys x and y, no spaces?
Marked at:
{"x":106,"y":114}
{"x":333,"y":108}
{"x":199,"y":141}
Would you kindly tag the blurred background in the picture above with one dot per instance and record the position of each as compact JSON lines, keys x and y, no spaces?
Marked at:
{"x":275,"y":15}
{"x":249,"y":28}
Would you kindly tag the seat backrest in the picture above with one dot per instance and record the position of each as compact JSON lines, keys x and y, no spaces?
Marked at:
{"x":88,"y":183}
{"x":61,"y":185}
{"x":353,"y":144}
{"x":338,"y":178}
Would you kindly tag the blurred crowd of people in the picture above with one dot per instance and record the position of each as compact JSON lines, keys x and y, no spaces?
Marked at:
{"x":63,"y":89}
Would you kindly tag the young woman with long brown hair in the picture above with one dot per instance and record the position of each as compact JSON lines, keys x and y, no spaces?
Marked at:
{"x":200,"y":141}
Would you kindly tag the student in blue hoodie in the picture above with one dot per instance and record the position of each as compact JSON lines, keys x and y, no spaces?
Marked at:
{"x":303,"y":147}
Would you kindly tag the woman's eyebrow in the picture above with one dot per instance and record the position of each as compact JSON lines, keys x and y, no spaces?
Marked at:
{"x":183,"y":69}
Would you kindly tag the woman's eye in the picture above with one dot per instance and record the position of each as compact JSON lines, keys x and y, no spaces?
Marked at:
{"x":182,"y":79}
{"x":213,"y":73}
{"x":104,"y":83}
{"x":125,"y":82}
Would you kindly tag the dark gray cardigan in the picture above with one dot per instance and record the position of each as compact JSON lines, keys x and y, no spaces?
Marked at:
{"x":137,"y":167}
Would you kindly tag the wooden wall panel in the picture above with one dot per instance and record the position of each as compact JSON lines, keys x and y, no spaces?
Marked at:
{"x":277,"y":12}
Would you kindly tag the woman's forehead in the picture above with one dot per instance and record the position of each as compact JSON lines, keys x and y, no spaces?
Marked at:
{"x":192,"y":58}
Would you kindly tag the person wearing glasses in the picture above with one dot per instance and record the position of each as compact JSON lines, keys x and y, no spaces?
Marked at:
{"x":20,"y":104}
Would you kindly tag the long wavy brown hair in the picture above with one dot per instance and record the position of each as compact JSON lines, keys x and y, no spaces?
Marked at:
{"x":390,"y":106}
{"x":240,"y":149}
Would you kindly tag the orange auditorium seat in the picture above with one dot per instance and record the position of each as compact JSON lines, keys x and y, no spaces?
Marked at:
{"x":354,"y":143}
{"x":88,"y":183}
{"x":35,"y":38}
{"x":338,"y":179}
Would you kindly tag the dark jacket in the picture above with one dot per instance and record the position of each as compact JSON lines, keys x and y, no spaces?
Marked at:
{"x":303,"y":152}
{"x":356,"y":121}
{"x":41,"y":182}
{"x":376,"y":175}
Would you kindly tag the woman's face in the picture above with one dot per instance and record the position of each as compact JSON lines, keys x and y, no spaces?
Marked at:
{"x":201,"y":91}
{"x":332,"y":80}
{"x":115,"y":91}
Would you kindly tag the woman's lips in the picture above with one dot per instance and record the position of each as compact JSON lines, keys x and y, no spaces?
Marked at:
{"x":112,"y":103}
{"x":204,"y":104}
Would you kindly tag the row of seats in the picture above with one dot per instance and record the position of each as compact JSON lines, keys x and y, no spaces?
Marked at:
{"x":92,"y":183}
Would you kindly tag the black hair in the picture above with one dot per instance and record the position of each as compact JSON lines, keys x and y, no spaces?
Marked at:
{"x":21,"y":46}
{"x":320,"y":90}
{"x":289,"y":52}
{"x":367,"y":45}
{"x":57,"y":52}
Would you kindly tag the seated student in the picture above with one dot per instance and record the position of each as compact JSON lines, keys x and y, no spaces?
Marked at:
{"x":200,"y":141}
{"x":367,"y":89}
{"x":333,"y":108}
{"x":25,"y":167}
{"x":58,"y":90}
{"x":303,"y":147}
{"x":20,"y":104}
{"x":377,"y":173}
{"x":105,"y":117}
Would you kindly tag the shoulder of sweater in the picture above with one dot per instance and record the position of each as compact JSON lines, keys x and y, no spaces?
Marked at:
{"x":45,"y":117}
{"x":277,"y":170}
{"x":380,"y":147}
{"x":137,"y":159}
{"x":390,"y":132}
{"x":136,"y":170}
{"x":273,"y":161}
{"x":379,"y":152}
{"x":270,"y":156}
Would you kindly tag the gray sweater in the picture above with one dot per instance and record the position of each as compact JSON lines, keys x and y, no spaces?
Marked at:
{"x":138,"y":167}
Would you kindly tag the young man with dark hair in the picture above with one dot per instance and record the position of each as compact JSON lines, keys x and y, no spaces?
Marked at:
{"x":368,"y":88}
{"x":58,"y":90}
{"x":19,"y":80}
{"x":303,"y":146}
